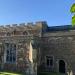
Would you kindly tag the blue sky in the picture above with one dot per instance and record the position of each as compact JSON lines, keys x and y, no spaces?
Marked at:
{"x":55,"y":12}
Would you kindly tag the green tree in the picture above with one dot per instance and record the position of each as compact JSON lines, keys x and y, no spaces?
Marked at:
{"x":72,"y":10}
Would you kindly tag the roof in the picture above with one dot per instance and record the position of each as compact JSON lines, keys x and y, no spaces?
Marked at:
{"x":60,"y":28}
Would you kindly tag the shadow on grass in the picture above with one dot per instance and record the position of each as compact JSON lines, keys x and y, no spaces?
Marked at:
{"x":52,"y":73}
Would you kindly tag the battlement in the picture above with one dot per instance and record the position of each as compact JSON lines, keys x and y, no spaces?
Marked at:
{"x":22,"y":28}
{"x":23,"y":24}
{"x":28,"y":25}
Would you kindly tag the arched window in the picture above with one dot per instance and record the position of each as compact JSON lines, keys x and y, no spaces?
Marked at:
{"x":14,"y":32}
{"x":25,"y":33}
{"x":8,"y":34}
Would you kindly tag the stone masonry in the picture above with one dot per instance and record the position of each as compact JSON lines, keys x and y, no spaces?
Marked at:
{"x":33,"y":48}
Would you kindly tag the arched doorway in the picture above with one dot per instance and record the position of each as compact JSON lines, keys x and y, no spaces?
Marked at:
{"x":61,"y":66}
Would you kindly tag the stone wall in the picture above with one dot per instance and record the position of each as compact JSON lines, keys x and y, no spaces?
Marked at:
{"x":33,"y":43}
{"x":60,"y":45}
{"x":26,"y":51}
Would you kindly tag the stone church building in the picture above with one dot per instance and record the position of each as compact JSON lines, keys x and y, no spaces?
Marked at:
{"x":34,"y":48}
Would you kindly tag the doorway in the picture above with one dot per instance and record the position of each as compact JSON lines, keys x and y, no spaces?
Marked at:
{"x":61,"y":66}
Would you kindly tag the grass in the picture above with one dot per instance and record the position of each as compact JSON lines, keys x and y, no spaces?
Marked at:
{"x":10,"y":73}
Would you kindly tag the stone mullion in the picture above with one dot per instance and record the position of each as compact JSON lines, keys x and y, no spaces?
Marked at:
{"x":16,"y":52}
{"x":5,"y":54}
{"x":12,"y":51}
{"x":9,"y":52}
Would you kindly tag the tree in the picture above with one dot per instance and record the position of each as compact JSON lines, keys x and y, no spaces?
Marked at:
{"x":72,"y":10}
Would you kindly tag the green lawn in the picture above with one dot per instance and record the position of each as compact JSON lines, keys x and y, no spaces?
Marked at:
{"x":9,"y":73}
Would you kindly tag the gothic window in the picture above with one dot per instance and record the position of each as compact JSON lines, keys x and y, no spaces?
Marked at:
{"x":10,"y":53}
{"x":14,"y":32}
{"x":25,"y":33}
{"x":8,"y":34}
{"x":49,"y":61}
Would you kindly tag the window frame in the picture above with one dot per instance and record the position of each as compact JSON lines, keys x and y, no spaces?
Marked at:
{"x":10,"y":49}
{"x":52,"y":57}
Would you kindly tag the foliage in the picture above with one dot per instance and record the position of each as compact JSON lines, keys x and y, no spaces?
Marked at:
{"x":73,"y":20}
{"x":72,"y":10}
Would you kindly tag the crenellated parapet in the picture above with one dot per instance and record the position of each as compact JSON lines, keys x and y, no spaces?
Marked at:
{"x":23,"y":29}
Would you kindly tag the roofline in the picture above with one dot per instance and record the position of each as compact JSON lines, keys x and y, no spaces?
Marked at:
{"x":61,"y":28}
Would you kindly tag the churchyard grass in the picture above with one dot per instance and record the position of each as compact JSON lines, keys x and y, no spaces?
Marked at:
{"x":10,"y":73}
